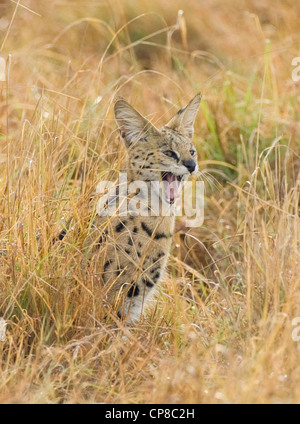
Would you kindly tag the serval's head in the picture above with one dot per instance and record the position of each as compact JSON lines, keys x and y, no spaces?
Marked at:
{"x":166,"y":154}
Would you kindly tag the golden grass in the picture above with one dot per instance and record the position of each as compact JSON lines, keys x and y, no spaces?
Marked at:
{"x":222,"y":328}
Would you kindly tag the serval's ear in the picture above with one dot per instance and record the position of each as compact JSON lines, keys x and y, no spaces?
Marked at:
{"x":184,"y":119}
{"x":132,"y":125}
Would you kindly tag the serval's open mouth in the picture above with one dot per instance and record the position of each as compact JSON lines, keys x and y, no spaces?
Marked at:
{"x":171,"y":186}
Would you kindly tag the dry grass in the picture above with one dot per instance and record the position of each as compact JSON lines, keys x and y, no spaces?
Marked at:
{"x":222,"y":327}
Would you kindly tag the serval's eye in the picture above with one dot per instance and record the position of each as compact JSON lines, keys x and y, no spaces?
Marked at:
{"x":193,"y":152}
{"x":171,"y":154}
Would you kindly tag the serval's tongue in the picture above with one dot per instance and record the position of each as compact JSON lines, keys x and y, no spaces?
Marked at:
{"x":171,"y":186}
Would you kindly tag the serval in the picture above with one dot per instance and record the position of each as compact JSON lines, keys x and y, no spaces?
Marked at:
{"x":132,"y":247}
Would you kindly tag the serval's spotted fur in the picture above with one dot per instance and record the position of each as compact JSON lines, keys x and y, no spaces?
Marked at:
{"x":133,"y":250}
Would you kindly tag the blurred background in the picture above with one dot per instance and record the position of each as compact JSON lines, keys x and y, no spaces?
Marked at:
{"x":222,"y":329}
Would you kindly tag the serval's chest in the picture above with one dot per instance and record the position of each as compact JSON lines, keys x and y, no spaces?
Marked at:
{"x":136,"y":254}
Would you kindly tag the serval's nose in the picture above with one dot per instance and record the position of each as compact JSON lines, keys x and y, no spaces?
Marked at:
{"x":190,"y":165}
